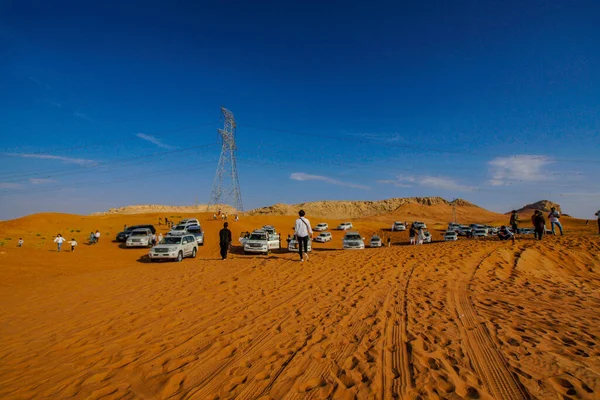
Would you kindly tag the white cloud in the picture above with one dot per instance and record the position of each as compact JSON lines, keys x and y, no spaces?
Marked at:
{"x":78,"y":161}
{"x":83,"y":116}
{"x":523,"y":168}
{"x":301,"y":176}
{"x":153,"y":140}
{"x":428,"y":181}
{"x":8,"y":185}
{"x":40,"y":181}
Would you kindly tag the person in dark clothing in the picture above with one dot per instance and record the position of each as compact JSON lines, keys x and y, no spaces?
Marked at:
{"x":412,"y":234}
{"x":535,"y":213}
{"x":224,"y":240}
{"x":514,"y":221}
{"x":539,"y":225}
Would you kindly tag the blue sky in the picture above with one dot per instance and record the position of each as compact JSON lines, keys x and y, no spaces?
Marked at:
{"x":117,"y":103}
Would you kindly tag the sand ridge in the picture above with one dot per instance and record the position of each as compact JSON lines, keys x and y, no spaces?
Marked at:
{"x":477,"y":318}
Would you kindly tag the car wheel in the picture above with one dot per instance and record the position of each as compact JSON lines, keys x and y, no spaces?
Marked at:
{"x":180,"y":257}
{"x":194,"y":253}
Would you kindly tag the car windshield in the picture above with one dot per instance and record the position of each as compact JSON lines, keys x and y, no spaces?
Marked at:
{"x":375,"y":238}
{"x":171,"y":240}
{"x":258,"y":236}
{"x":139,"y":233}
{"x":324,"y":234}
{"x":352,"y":237}
{"x":193,"y":229}
{"x":179,"y":228}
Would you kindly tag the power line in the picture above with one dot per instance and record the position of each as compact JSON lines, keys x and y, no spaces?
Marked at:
{"x":87,"y":168}
{"x":423,"y":148}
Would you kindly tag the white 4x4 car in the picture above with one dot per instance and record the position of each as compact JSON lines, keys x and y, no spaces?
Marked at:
{"x":139,"y":238}
{"x":321,"y":227}
{"x":174,"y":248}
{"x":352,"y":240}
{"x":180,"y":229}
{"x":398,"y":226}
{"x":344,"y":226}
{"x":260,"y":242}
{"x":323,"y":237}
{"x":293,"y":246}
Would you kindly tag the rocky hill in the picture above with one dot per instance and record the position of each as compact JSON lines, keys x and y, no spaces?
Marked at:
{"x":542,"y":205}
{"x":157,"y":208}
{"x":354,"y":209}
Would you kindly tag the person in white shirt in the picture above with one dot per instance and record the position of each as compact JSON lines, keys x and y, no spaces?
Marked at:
{"x":59,"y":240}
{"x":421,"y":236}
{"x":73,"y":243}
{"x":97,"y":236}
{"x":554,"y":220}
{"x":20,"y":242}
{"x":303,"y":230}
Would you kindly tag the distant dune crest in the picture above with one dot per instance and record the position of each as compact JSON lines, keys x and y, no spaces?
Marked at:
{"x":542,"y":205}
{"x":355,"y":209}
{"x":157,"y":208}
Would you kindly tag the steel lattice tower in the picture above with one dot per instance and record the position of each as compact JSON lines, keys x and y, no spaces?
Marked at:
{"x":221,"y":194}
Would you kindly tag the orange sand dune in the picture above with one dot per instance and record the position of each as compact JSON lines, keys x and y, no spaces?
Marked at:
{"x":470,"y":319}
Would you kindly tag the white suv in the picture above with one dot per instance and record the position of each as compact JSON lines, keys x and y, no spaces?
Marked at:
{"x":352,"y":240}
{"x":321,"y":227}
{"x":323,"y":237}
{"x":139,"y":238}
{"x":181,"y":229}
{"x":398,"y":226}
{"x":174,"y":248}
{"x":344,"y":226}
{"x":260,"y":241}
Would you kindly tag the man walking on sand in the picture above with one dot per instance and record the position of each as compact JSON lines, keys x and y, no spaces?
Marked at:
{"x":514,"y":221}
{"x":540,"y":225}
{"x":303,"y":230}
{"x":97,"y":236}
{"x":224,"y":240}
{"x":59,"y":240}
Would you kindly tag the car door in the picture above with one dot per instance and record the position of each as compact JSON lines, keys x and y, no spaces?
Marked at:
{"x":273,"y":241}
{"x":187,"y":245}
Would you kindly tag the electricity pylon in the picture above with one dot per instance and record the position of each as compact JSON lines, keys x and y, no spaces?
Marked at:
{"x":223,"y":192}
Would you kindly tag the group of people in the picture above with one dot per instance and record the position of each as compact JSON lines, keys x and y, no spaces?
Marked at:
{"x":416,"y":235}
{"x":59,"y":240}
{"x":94,"y":237}
{"x":539,"y":223}
{"x":224,"y":216}
{"x":168,"y":222}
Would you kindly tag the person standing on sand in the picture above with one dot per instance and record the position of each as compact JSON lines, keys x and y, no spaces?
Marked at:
{"x":598,"y":215}
{"x":154,"y":239}
{"x":540,"y":225}
{"x":554,"y":220}
{"x":535,"y":213}
{"x":20,"y":244}
{"x":224,"y":240}
{"x":514,"y":221}
{"x":97,"y":236}
{"x":73,"y":243}
{"x":412,"y":234}
{"x":421,"y":236}
{"x":59,"y":240}
{"x":303,"y":230}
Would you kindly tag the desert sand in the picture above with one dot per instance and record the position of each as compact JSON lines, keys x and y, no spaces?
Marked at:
{"x":469,"y":319}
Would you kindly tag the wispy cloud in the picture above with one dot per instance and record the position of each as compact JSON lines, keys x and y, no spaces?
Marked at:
{"x":83,"y":116}
{"x":40,"y":181}
{"x":153,"y":140}
{"x":54,"y":103}
{"x":8,"y":185}
{"x":37,"y":81}
{"x":69,"y":160}
{"x":392,"y":137}
{"x":523,"y":167}
{"x":435,"y":182}
{"x":301,"y":176}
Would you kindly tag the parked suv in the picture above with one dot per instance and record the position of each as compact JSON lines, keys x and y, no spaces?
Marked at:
{"x":260,"y":241}
{"x":323,"y":237}
{"x":197,"y":231}
{"x":344,"y":226}
{"x":122,"y":236}
{"x":139,"y":238}
{"x":352,"y":240}
{"x":293,"y":246}
{"x":321,"y":227}
{"x":174,"y":248}
{"x":398,"y":226}
{"x":181,"y":229}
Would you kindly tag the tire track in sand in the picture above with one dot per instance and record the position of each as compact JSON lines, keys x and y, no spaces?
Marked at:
{"x":395,"y":353}
{"x":487,"y":360}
